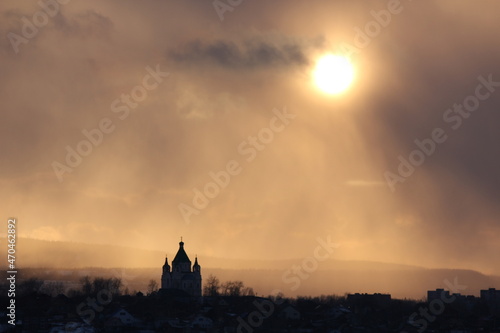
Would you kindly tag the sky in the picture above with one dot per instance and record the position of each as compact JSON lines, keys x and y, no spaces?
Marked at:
{"x":135,"y":123}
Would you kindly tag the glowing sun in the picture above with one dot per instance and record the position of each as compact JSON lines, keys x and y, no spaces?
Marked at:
{"x":333,"y":74}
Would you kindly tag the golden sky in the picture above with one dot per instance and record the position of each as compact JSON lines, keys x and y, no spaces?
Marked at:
{"x":239,"y":98}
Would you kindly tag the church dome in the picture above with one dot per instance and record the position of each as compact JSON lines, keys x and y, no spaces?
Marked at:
{"x":181,"y":256}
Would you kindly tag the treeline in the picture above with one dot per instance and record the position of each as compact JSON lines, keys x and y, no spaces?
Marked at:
{"x":90,"y":286}
{"x":34,"y":286}
{"x":213,"y":287}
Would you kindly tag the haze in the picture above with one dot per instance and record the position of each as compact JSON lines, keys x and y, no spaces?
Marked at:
{"x":323,"y":173}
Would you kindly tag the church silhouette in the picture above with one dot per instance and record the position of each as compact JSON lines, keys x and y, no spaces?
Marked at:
{"x":181,"y":276}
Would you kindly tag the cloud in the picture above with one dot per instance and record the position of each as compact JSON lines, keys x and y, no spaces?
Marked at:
{"x":198,"y":105}
{"x":244,"y":55}
{"x":86,"y":24}
{"x":324,"y":169}
{"x":46,"y":233}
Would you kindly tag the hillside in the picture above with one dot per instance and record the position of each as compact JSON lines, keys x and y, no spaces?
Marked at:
{"x":69,"y":261}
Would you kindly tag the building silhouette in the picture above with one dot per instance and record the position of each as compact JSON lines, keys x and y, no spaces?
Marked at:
{"x":375,"y":300}
{"x":439,"y":293}
{"x":181,"y":276}
{"x":491,"y":298}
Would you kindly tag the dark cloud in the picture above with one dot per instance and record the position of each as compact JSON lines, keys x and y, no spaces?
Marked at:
{"x":248,"y":55}
{"x":87,"y":24}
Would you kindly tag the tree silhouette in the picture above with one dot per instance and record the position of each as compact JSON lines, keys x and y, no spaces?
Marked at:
{"x":212,"y":286}
{"x":152,"y":286}
{"x":86,"y":282}
{"x":29,"y":286}
{"x":52,"y":288}
{"x":92,"y":287}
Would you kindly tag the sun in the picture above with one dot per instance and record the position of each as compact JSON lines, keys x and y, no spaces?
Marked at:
{"x":333,"y":74}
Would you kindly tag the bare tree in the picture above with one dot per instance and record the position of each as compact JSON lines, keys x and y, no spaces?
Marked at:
{"x":278,"y":298}
{"x":232,"y":288}
{"x":115,"y":286}
{"x":247,"y":291}
{"x":152,"y":286}
{"x":86,"y":282}
{"x":212,"y":286}
{"x":99,"y":284}
{"x":93,"y":287}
